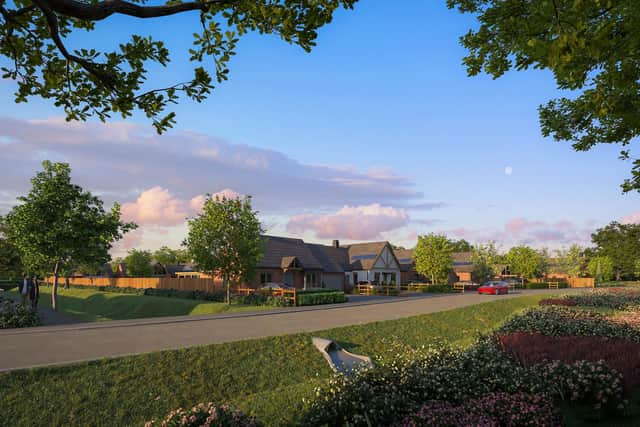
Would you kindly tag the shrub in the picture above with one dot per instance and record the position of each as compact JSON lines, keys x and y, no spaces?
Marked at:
{"x":544,"y":285}
{"x":259,"y":298}
{"x":493,"y":409}
{"x":615,"y":298}
{"x":15,"y":315}
{"x":562,"y":321}
{"x":209,"y":415}
{"x":534,"y":349}
{"x":438,"y":289}
{"x":557,"y":301}
{"x":317,"y":298}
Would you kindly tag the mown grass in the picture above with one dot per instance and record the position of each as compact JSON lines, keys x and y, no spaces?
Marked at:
{"x":92,"y":305}
{"x":267,"y":377}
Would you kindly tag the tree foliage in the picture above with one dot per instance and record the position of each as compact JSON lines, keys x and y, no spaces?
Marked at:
{"x":592,"y":47}
{"x":138,"y":263}
{"x":59,"y":225}
{"x":487,"y":262}
{"x":86,"y":82}
{"x":524,"y":261}
{"x":621,"y":243}
{"x":601,"y":267}
{"x":166,"y":256}
{"x":571,"y":261}
{"x":225,"y":240}
{"x":460,"y":245}
{"x":10,"y":263}
{"x":433,"y":257}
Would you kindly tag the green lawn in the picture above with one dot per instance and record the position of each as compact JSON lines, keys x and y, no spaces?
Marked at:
{"x":92,"y":305}
{"x":267,"y":377}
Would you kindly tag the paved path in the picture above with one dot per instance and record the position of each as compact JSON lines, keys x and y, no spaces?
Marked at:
{"x":50,"y":345}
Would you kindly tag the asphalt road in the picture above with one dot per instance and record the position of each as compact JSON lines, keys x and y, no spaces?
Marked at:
{"x":62,"y":344}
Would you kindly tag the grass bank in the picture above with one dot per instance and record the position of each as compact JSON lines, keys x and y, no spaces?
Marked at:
{"x":266,"y":377}
{"x":92,"y":305}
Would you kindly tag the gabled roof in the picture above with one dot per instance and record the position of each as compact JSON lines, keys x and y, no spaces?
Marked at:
{"x":277,"y":248}
{"x":332,"y":259}
{"x":406,"y":258}
{"x":363,"y":256}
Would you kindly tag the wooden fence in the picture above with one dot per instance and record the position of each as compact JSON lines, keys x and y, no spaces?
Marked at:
{"x":181,"y":284}
{"x":581,"y":282}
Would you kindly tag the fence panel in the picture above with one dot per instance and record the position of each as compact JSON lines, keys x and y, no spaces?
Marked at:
{"x":581,"y":282}
{"x":182,"y":283}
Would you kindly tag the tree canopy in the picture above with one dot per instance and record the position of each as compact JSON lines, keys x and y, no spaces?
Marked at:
{"x":524,"y":261}
{"x":166,"y":256}
{"x":433,"y":257}
{"x":10,"y":263}
{"x":487,"y":262}
{"x":460,"y":245}
{"x":621,"y":243}
{"x":85,"y":81}
{"x":138,"y":263}
{"x":592,"y":47}
{"x":225,"y":240}
{"x":601,"y":268}
{"x":571,"y":261}
{"x":58,"y":225}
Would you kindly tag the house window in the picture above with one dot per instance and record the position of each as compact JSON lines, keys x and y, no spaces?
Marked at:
{"x":311,"y":279}
{"x":265,"y":278}
{"x":376,"y":277}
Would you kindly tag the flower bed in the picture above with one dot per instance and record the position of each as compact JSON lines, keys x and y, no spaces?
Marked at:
{"x":533,"y":349}
{"x":558,"y":301}
{"x":562,"y":321}
{"x":15,"y":315}
{"x":493,"y":409}
{"x":209,"y":415}
{"x":615,"y":298}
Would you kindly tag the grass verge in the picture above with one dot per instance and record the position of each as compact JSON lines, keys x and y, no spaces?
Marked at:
{"x":92,"y":305}
{"x":266,"y":377}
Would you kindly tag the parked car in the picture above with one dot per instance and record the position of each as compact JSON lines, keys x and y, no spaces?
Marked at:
{"x":494,"y":287}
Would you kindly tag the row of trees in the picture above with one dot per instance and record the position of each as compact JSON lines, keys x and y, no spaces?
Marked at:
{"x":615,"y":255}
{"x":59,"y":228}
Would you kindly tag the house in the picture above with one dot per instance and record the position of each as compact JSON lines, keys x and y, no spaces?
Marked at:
{"x":305,"y":265}
{"x":462,"y":266}
{"x":373,"y":262}
{"x":408,"y":273}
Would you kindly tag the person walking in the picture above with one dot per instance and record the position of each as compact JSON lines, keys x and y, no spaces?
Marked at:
{"x":24,"y":289}
{"x":34,"y":292}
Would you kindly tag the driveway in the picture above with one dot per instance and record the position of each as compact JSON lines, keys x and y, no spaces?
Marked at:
{"x":51,"y":345}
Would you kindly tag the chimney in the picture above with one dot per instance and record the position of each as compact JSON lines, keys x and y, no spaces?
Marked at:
{"x":336,"y":243}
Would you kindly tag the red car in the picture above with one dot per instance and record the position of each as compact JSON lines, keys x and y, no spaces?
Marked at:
{"x":494,"y":288}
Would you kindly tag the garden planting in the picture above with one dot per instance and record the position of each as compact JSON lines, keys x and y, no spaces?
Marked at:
{"x":15,"y":315}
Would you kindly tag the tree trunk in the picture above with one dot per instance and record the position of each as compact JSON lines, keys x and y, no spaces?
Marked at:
{"x":66,"y":281}
{"x":433,"y":279}
{"x":617,"y":275}
{"x":54,"y":290}
{"x":227,"y":284}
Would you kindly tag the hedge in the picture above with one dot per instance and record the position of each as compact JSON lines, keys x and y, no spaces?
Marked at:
{"x":318,"y":298}
{"x":545,"y":285}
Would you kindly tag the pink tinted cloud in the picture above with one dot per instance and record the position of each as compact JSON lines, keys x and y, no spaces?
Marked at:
{"x":197,"y":202}
{"x":351,"y":222}
{"x":633,"y":218}
{"x":156,"y":206}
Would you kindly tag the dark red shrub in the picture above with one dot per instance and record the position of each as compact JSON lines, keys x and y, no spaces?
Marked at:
{"x":533,"y":348}
{"x":557,"y":301}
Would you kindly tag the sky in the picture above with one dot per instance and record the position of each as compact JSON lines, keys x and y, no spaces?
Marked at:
{"x":377,"y":134}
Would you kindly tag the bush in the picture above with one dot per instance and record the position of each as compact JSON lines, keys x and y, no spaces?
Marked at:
{"x":9,"y":284}
{"x":615,"y":298}
{"x":493,"y":409}
{"x":438,"y":289}
{"x":535,"y":349}
{"x":562,"y":321}
{"x":557,"y":301}
{"x":258,"y":298}
{"x":206,"y":415}
{"x":318,"y":298}
{"x":15,"y":315}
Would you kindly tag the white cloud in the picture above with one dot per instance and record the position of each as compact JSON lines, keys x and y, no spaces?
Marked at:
{"x":351,"y":222}
{"x":508,"y":170}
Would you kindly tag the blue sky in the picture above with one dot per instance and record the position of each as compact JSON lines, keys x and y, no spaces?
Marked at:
{"x":383,"y":94}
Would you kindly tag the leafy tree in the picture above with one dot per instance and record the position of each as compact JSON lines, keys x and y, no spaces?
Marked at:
{"x":166,"y":255}
{"x":461,"y":245}
{"x":523,"y":261}
{"x":621,"y":243}
{"x":433,"y":257}
{"x":590,"y":46}
{"x":601,"y":267}
{"x":487,"y":262}
{"x":58,"y":225}
{"x":571,"y":261}
{"x":225,"y":240}
{"x":10,"y":262}
{"x":138,"y":263}
{"x":87,"y":82}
